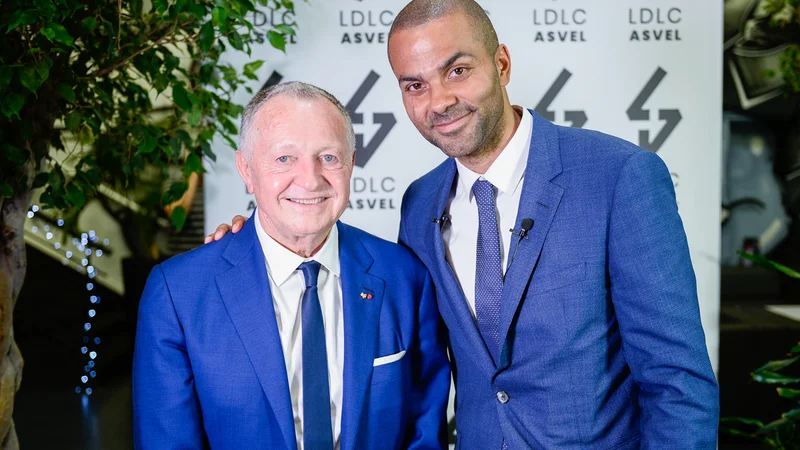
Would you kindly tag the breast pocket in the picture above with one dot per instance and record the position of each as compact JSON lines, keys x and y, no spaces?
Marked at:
{"x":389,"y":367}
{"x":548,"y":279}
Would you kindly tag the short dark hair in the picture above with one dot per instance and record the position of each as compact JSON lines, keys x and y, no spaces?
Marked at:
{"x":420,"y":12}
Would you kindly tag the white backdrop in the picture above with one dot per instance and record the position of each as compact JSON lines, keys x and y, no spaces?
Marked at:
{"x":648,"y":71}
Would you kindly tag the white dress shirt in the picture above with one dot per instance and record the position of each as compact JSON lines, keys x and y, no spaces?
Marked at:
{"x":461,"y":235}
{"x":288,"y":286}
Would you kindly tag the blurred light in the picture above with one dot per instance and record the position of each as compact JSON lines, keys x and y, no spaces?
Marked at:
{"x":89,"y":286}
{"x":47,"y":228}
{"x":92,"y":274}
{"x":88,"y":391}
{"x":98,"y":300}
{"x":84,"y":262}
{"x":91,"y":363}
{"x":105,"y":241}
{"x":92,"y":313}
{"x":91,"y":233}
{"x":87,"y":326}
{"x":84,"y":236}
{"x":93,"y":374}
{"x":84,"y":350}
{"x":35,"y":208}
{"x":84,"y":378}
{"x":97,"y":341}
{"x":93,"y":355}
{"x":30,"y":214}
{"x":61,"y":222}
{"x":86,"y":369}
{"x":69,"y":254}
{"x":86,"y":339}
{"x":64,"y":261}
{"x":90,"y":269}
{"x":93,"y":299}
{"x":57,"y":245}
{"x":34,"y":229}
{"x":88,"y":252}
{"x":78,"y":390}
{"x":83,"y":243}
{"x":49,"y":235}
{"x":99,"y":252}
{"x":75,"y":241}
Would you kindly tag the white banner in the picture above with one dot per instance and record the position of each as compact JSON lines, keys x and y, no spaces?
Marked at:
{"x":648,"y":72}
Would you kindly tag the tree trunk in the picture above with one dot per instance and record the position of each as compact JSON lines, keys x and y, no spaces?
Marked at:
{"x":12,"y":273}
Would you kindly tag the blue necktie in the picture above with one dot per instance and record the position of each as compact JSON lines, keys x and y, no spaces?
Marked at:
{"x":317,"y":430}
{"x":488,"y":268}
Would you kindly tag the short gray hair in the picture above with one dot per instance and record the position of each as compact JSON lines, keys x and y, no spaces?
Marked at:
{"x":293,"y":89}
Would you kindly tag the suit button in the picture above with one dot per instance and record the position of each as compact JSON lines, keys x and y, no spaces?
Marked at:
{"x":502,"y":397}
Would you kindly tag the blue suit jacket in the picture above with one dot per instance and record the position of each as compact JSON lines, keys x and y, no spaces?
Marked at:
{"x":209,"y":368}
{"x":601,"y":341}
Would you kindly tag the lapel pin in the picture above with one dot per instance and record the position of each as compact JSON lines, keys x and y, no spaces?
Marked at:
{"x":366,"y":296}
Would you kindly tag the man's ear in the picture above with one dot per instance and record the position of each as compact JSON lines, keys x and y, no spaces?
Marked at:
{"x":244,"y":171}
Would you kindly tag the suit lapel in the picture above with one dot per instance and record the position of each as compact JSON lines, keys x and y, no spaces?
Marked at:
{"x":539,"y":201}
{"x":361,"y":323}
{"x":246,"y":293}
{"x":464,"y":326}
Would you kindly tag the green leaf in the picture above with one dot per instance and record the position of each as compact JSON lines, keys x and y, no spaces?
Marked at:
{"x":33,"y":77}
{"x":762,"y":261}
{"x":75,"y":195}
{"x":277,"y":40}
{"x":792,"y":394}
{"x":193,"y":164}
{"x":175,"y":146}
{"x":14,"y":154}
{"x":86,"y":135}
{"x":5,"y":76}
{"x":23,"y":18}
{"x":285,"y":29}
{"x":184,"y":137}
{"x":89,"y":24}
{"x":160,"y":82}
{"x":174,"y":193}
{"x":12,"y":104}
{"x":236,"y":41}
{"x":195,"y":116}
{"x":161,"y":6}
{"x":179,"y":217}
{"x":206,"y":37}
{"x":60,"y":34}
{"x":774,"y":366}
{"x":147,"y":145}
{"x":40,"y":180}
{"x":250,"y":69}
{"x":206,"y":147}
{"x":6,"y":191}
{"x":73,"y":121}
{"x":66,"y":91}
{"x":181,"y":97}
{"x":56,"y":180}
{"x":219,"y":15}
{"x":49,"y":33}
{"x":742,"y":421}
{"x":792,"y":415}
{"x":768,"y":377}
{"x":795,"y":349}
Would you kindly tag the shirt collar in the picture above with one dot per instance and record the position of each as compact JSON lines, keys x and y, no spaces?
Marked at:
{"x":507,"y":170}
{"x":282,"y":262}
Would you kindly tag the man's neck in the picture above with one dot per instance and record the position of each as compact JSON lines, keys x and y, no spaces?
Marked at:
{"x":481,"y":162}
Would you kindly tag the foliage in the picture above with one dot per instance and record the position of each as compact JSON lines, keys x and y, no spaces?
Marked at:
{"x":94,"y":94}
{"x":782,"y":433}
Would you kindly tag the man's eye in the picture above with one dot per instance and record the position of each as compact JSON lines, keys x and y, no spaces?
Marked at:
{"x":459,"y":70}
{"x":283,"y":159}
{"x":329,"y":158}
{"x":414,"y":87}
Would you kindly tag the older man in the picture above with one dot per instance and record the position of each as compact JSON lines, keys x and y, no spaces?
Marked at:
{"x":299,"y":332}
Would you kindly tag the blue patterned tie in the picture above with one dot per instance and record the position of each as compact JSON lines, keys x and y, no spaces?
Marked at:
{"x":317,"y":430}
{"x":488,"y":269}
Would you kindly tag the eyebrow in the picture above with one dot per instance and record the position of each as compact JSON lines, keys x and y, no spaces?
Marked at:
{"x":442,"y":67}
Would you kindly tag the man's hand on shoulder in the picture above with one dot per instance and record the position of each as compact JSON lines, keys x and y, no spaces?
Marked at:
{"x":236,"y":224}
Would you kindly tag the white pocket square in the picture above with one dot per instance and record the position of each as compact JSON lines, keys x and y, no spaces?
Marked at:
{"x":388,"y":359}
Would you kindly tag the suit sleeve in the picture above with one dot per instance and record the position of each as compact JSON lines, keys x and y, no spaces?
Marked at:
{"x":166,"y":412}
{"x":654,"y":293}
{"x":427,"y":428}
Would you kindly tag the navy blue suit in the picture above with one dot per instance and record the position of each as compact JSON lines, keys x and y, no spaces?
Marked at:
{"x":601,"y":345}
{"x":209,"y":368}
